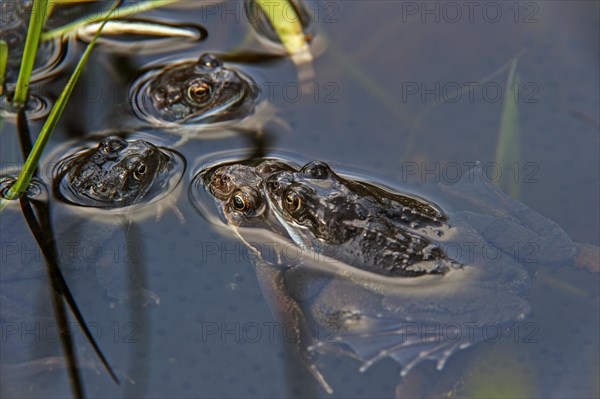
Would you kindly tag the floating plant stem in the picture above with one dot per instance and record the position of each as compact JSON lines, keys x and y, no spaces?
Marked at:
{"x":508,"y":146}
{"x":127,"y":11}
{"x":31,"y":44}
{"x":24,"y":177}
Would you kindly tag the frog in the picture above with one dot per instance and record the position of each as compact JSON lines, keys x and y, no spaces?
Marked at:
{"x":116,"y":173}
{"x":100,"y":190}
{"x":383,"y":268}
{"x":193,"y":92}
{"x":350,"y":221}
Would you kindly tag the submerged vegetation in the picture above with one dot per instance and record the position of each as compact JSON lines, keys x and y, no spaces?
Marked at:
{"x":508,"y":145}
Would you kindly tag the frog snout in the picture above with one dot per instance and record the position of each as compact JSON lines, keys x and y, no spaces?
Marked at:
{"x":277,"y":182}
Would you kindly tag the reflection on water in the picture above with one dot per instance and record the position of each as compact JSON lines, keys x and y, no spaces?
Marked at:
{"x":213,"y":334}
{"x":142,"y":35}
{"x":36,"y":108}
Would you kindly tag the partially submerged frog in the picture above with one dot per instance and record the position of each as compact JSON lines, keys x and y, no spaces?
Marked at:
{"x":352,"y":221}
{"x":193,"y":92}
{"x":381,"y":268}
{"x":116,"y":173}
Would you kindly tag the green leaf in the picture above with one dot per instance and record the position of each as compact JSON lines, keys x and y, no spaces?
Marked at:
{"x":508,"y":148}
{"x":34,"y":29}
{"x":26,"y":173}
{"x":288,"y":27}
{"x":3,"y":60}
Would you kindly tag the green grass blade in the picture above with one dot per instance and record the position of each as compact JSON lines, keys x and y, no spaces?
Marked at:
{"x":509,"y":137}
{"x":3,"y":60}
{"x":128,"y":12}
{"x":288,"y":28}
{"x":367,"y":82}
{"x":412,"y":136}
{"x":24,"y":177}
{"x":36,"y":22}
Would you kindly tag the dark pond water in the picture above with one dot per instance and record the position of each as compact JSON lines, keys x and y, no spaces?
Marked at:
{"x":409,"y":92}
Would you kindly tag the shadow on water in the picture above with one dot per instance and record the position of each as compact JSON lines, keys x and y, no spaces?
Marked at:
{"x":37,"y":215}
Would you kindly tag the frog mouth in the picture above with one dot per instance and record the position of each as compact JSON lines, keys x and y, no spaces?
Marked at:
{"x":302,"y":240}
{"x":233,"y":102}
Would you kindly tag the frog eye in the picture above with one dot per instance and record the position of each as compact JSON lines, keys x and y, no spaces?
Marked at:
{"x":316,"y":170}
{"x":240,"y":203}
{"x":209,"y":62}
{"x":112,"y":144}
{"x":292,"y":201}
{"x":140,"y":171}
{"x":199,"y":92}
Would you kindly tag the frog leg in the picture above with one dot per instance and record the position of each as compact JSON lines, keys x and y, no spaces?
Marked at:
{"x":116,"y":259}
{"x":287,"y":310}
{"x":172,"y":206}
{"x":326,"y":347}
{"x":587,"y":257}
{"x":516,"y":229}
{"x":185,"y":137}
{"x":409,"y":352}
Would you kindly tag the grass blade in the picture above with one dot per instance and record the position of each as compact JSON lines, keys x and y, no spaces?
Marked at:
{"x":31,"y":44}
{"x":289,"y":29}
{"x":509,"y":138}
{"x":3,"y":60}
{"x":129,"y":11}
{"x":24,"y":177}
{"x":412,"y":136}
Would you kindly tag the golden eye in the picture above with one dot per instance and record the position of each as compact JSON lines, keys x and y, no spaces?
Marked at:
{"x":199,"y":92}
{"x":140,"y":171}
{"x":240,"y":203}
{"x":292,"y":202}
